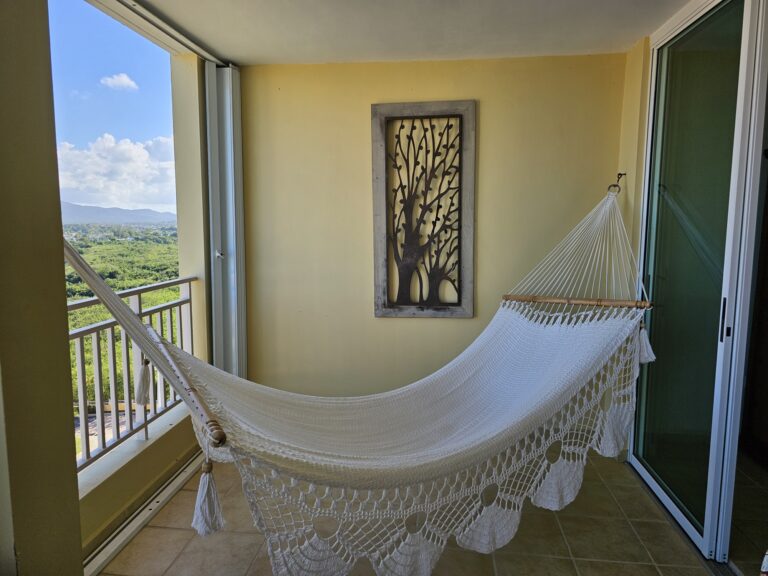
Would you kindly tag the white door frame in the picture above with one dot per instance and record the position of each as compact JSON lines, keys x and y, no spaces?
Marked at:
{"x":713,"y":541}
{"x":225,"y":211}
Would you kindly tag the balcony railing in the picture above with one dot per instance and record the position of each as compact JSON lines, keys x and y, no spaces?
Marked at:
{"x":105,"y":364}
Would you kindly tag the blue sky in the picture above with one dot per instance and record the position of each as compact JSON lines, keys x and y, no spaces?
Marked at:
{"x":112,"y":99}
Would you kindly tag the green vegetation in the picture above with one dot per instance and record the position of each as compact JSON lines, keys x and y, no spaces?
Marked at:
{"x":126,"y":257}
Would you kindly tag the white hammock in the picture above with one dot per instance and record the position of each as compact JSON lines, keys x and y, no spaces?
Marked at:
{"x":391,"y":477}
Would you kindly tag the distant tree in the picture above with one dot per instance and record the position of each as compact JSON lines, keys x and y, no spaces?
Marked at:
{"x":423,"y":228}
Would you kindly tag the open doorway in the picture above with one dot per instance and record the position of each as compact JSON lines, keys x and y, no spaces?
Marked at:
{"x":749,"y":529}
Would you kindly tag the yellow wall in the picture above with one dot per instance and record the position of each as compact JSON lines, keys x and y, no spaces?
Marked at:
{"x":187,"y":79}
{"x":36,"y":386}
{"x":633,"y":124}
{"x":548,"y":140}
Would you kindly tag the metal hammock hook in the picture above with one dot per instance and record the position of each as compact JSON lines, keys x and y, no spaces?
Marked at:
{"x":617,"y":187}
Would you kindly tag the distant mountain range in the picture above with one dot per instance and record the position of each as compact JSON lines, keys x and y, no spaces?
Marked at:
{"x":79,"y":214}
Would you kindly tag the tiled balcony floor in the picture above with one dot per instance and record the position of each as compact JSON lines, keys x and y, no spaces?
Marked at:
{"x":614,"y":527}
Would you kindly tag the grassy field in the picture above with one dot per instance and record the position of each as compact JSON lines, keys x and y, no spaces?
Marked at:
{"x":126,"y":257}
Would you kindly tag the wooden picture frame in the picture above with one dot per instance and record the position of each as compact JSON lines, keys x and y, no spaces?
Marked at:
{"x":424,"y":208}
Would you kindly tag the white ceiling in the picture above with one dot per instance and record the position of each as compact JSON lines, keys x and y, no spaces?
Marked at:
{"x":310,"y":31}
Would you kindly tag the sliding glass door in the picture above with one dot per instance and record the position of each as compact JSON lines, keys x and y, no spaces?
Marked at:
{"x":697,"y":81}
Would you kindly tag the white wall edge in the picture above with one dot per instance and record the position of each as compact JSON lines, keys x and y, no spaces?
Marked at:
{"x":226,"y":220}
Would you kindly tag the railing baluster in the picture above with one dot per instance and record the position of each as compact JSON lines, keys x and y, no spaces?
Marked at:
{"x":98,"y":393}
{"x":186,"y":318}
{"x":180,"y":327}
{"x":127,"y":393}
{"x":160,"y":402}
{"x":152,"y":394}
{"x":177,"y":322}
{"x":141,"y":410}
{"x":113,"y":399}
{"x":169,"y":326}
{"x":169,"y":337}
{"x":178,"y":342}
{"x":82,"y":399}
{"x":171,"y":319}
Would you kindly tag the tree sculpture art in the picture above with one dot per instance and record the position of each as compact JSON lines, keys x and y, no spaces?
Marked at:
{"x":423,"y":168}
{"x":424,"y":209}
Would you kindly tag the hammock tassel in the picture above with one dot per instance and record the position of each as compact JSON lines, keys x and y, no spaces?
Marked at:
{"x":142,"y":384}
{"x":208,"y":517}
{"x":645,"y":351}
{"x":764,"y":566}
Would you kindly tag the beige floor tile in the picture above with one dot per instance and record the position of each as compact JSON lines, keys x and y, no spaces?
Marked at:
{"x":227,"y":477}
{"x":665,"y":544}
{"x":150,"y":553}
{"x":594,"y":526}
{"x":594,"y":499}
{"x":612,"y":471}
{"x":178,"y":512}
{"x":522,"y":565}
{"x":596,"y":568}
{"x":193,"y":482}
{"x":222,"y":554}
{"x":683,"y":571}
{"x":455,"y":562}
{"x":636,"y":503}
{"x":538,"y":534}
{"x":593,"y":538}
{"x":237,"y":514}
{"x":261,"y":565}
{"x":590,"y":473}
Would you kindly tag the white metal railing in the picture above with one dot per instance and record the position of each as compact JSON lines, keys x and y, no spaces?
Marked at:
{"x":106,"y":363}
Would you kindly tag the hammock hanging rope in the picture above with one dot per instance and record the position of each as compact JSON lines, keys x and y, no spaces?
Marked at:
{"x":391,"y":477}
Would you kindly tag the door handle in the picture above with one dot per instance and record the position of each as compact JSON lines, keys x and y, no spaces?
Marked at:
{"x":725,"y":331}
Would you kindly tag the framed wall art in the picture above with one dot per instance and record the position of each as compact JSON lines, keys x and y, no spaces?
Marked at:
{"x":423,"y":199}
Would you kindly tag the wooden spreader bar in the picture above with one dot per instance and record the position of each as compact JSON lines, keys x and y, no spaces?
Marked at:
{"x":601,"y":302}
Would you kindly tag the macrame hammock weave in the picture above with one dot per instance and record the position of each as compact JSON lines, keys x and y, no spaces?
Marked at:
{"x":391,"y":477}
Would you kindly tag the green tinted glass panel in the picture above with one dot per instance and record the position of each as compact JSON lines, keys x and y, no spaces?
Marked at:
{"x":692,"y":149}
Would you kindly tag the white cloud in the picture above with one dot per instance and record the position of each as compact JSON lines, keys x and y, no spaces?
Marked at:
{"x":122,"y":173}
{"x":119,"y":81}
